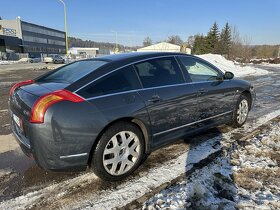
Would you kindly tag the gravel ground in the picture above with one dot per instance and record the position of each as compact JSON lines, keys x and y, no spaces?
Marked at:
{"x":245,"y":176}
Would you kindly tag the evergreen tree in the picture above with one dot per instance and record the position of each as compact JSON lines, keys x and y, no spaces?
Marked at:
{"x":225,"y":40}
{"x":199,"y":45}
{"x":212,"y":39}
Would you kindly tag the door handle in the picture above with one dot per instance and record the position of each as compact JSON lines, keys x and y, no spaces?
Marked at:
{"x":202,"y":91}
{"x":154,"y":99}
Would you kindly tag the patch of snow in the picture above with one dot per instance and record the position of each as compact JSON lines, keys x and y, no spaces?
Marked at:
{"x":226,"y":65}
{"x":271,"y":65}
{"x":7,"y":62}
{"x":246,"y":176}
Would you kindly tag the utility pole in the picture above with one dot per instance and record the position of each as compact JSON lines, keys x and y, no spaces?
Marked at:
{"x":65,"y":26}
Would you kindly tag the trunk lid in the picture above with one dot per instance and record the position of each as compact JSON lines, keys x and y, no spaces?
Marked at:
{"x":23,"y":98}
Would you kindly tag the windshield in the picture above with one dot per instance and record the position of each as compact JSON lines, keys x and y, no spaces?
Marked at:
{"x":73,"y":72}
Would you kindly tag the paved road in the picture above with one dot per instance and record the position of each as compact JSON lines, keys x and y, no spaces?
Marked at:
{"x":19,"y":174}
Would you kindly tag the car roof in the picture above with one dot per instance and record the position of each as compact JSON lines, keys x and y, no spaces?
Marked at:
{"x":136,"y":55}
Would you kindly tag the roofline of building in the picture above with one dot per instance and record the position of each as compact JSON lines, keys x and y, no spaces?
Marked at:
{"x":43,"y":26}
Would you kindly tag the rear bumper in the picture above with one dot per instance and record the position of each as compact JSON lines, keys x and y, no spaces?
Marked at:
{"x":43,"y":152}
{"x":22,"y":140}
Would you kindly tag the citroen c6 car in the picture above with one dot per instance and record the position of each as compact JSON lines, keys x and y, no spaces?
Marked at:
{"x":109,"y":112}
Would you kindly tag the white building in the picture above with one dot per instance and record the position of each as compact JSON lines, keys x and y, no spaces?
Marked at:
{"x":84,"y":52}
{"x":163,"y":47}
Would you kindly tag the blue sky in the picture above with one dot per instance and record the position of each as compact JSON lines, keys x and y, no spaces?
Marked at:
{"x":136,"y":19}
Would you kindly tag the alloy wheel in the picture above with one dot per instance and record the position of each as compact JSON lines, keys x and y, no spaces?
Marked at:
{"x":242,"y":111}
{"x":121,"y":153}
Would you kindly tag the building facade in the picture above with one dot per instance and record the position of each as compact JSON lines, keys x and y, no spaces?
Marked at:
{"x":24,"y":37}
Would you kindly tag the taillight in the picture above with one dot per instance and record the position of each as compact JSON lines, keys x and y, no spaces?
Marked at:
{"x":44,"y":102}
{"x":17,"y":85}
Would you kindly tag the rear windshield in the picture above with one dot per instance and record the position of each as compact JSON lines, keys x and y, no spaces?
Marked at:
{"x":73,"y":72}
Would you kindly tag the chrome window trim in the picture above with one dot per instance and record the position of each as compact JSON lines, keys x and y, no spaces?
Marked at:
{"x":186,"y":125}
{"x":136,"y":90}
{"x":75,"y":155}
{"x":147,"y":59}
{"x":142,"y":89}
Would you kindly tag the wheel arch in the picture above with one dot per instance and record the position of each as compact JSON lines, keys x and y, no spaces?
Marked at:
{"x":248,"y":95}
{"x":135,"y":121}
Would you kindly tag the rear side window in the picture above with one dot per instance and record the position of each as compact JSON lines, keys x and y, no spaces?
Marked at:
{"x":73,"y":72}
{"x":159,"y":72}
{"x":124,"y":79}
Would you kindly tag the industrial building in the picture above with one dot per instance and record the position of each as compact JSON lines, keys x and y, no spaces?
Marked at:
{"x":22,"y":37}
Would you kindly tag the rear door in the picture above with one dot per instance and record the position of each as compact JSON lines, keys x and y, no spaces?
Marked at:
{"x":171,"y":102}
{"x":214,"y":94}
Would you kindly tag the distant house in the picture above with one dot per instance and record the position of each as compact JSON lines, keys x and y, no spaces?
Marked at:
{"x":163,"y":47}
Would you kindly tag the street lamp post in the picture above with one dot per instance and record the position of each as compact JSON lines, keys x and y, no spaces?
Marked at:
{"x":116,"y":40}
{"x":65,"y":26}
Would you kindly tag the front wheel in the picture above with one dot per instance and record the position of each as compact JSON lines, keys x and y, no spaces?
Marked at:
{"x":241,"y":111}
{"x":119,"y":152}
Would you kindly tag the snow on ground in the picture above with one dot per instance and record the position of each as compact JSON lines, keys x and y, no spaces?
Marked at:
{"x":7,"y":62}
{"x":246,"y":176}
{"x":270,"y":65}
{"x":226,"y":65}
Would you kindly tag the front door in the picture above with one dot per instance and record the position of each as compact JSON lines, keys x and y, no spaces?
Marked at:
{"x":214,"y":94}
{"x":171,"y":102}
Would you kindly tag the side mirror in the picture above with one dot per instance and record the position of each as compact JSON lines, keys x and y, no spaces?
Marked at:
{"x":228,"y":75}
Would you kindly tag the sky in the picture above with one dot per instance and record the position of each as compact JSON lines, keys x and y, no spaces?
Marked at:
{"x":133,"y":20}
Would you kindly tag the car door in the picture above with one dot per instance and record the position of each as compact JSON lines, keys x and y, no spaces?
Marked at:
{"x":170,"y":101}
{"x":214,"y":94}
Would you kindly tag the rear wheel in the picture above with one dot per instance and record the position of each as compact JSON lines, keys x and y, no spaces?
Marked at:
{"x":119,"y":152}
{"x":241,"y":111}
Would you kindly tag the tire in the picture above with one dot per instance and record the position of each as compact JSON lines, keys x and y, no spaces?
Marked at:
{"x":241,"y":111}
{"x":123,"y":157}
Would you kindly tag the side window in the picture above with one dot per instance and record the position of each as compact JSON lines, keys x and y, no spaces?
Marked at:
{"x":121,"y":80}
{"x":198,"y":70}
{"x":159,"y":72}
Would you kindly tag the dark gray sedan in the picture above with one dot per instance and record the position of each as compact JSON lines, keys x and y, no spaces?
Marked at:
{"x":109,"y":112}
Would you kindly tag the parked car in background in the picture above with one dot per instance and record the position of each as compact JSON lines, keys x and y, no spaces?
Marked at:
{"x":110,"y":112}
{"x":54,"y":59}
{"x":29,"y":60}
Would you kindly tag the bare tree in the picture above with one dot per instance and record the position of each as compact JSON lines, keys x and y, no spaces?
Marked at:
{"x":246,"y":49}
{"x":147,"y":42}
{"x":240,"y":46}
{"x":175,"y":39}
{"x":190,"y":41}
